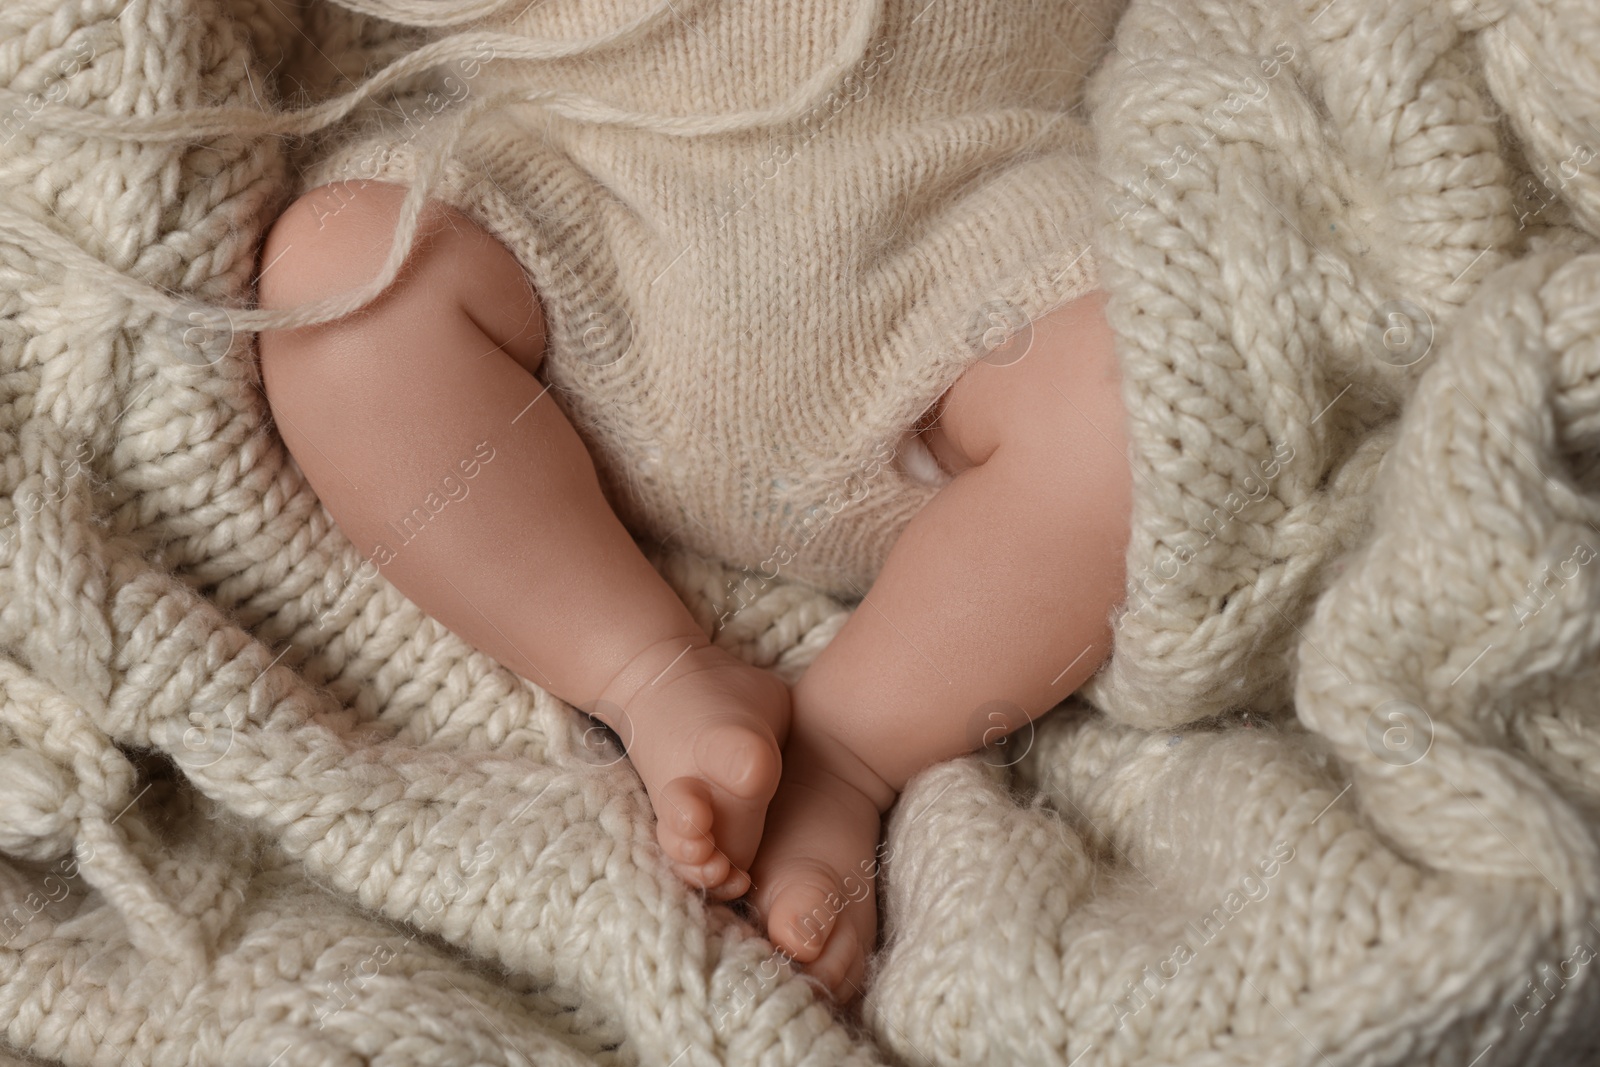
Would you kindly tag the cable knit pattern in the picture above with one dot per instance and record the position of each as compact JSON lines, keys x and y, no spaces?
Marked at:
{"x":1332,"y":802}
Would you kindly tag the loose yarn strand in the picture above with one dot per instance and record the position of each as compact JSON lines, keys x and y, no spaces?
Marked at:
{"x":426,"y":13}
{"x":188,"y":124}
{"x":185,"y":124}
{"x":430,"y":166}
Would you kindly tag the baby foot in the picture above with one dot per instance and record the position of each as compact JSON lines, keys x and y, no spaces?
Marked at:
{"x":705,"y":731}
{"x":816,"y":870}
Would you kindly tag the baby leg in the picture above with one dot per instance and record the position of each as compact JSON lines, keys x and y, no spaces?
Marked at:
{"x":993,"y":606}
{"x":422,"y":427}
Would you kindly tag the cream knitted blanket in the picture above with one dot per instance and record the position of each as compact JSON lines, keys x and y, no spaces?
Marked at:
{"x":1335,"y":800}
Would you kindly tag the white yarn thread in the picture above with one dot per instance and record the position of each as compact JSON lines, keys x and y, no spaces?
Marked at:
{"x":183,"y":124}
{"x":427,"y":13}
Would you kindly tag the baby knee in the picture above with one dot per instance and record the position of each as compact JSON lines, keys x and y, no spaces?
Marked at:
{"x":336,"y":237}
{"x":325,"y":240}
{"x":1059,"y":386}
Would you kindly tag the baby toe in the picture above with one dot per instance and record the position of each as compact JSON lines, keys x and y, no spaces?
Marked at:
{"x":842,"y":965}
{"x":714,"y":872}
{"x":732,"y":888}
{"x":802,"y":910}
{"x":684,"y":820}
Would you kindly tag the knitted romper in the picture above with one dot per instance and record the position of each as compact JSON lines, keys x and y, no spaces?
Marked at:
{"x":745,"y":326}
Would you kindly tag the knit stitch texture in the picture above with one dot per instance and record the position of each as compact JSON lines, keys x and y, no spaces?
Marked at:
{"x":745,"y":323}
{"x":1333,"y":801}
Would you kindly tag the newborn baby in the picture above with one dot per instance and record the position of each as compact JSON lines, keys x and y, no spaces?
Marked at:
{"x":773,"y":310}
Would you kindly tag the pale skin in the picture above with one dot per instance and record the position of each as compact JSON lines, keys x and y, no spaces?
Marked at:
{"x":1001,"y":589}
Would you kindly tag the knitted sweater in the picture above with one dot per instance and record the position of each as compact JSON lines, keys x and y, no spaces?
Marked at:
{"x":742,"y":325}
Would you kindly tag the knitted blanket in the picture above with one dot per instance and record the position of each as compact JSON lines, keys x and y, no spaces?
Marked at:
{"x":1333,"y":801}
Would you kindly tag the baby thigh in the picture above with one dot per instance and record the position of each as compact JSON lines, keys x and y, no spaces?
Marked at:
{"x":337,"y":236}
